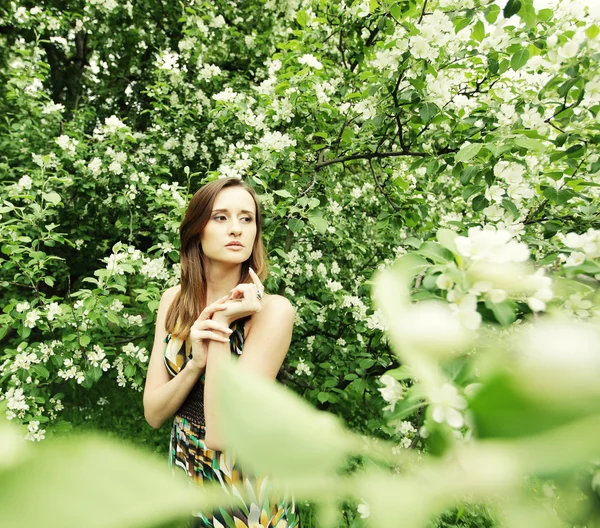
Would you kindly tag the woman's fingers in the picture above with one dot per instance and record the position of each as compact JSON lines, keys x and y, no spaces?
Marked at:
{"x":210,"y":324}
{"x":256,"y":280}
{"x":215,"y":336}
{"x":218,"y":305}
{"x":239,"y":291}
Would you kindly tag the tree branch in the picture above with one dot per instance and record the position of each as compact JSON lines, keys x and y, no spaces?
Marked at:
{"x":379,"y":155}
{"x":422,"y":12}
{"x":389,"y":200}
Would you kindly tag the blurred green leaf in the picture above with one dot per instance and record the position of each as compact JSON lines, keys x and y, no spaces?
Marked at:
{"x":296,"y":441}
{"x":92,"y":481}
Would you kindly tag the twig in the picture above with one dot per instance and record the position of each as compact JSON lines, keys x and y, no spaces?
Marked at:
{"x":394,"y":207}
{"x":379,"y":155}
{"x":422,"y":12}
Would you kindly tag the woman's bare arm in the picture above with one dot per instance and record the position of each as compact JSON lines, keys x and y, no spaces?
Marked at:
{"x":265,"y":348}
{"x":164,"y":395}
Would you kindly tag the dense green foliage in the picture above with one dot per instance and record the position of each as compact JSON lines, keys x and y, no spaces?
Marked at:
{"x":461,"y":132}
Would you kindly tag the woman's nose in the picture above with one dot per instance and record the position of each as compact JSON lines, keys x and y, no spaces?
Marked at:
{"x":235,"y":227}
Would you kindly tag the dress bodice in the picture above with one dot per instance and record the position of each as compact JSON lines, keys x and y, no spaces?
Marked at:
{"x":177,"y":354}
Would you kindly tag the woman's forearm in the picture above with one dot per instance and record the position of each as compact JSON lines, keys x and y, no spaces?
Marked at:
{"x":164,"y":401}
{"x":217,"y":353}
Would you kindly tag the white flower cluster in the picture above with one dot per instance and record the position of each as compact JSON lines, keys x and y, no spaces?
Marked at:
{"x":359,"y":311}
{"x":31,"y":318}
{"x":111,"y":125}
{"x":97,"y":358}
{"x":34,"y":433}
{"x":494,"y":266}
{"x":227,"y":95}
{"x":392,"y":392}
{"x":23,"y":360}
{"x":276,"y":141}
{"x":208,"y":71}
{"x":302,"y":368}
{"x":71,"y":371}
{"x":588,"y":243}
{"x":53,"y":108}
{"x":105,"y":5}
{"x":311,"y":61}
{"x":334,"y":286}
{"x":446,"y":405}
{"x":133,"y":351}
{"x":168,"y":60}
{"x":154,"y":268}
{"x":68,"y":144}
{"x":16,"y":403}
{"x":491,"y":245}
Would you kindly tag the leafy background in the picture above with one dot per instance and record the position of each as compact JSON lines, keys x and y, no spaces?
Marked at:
{"x":370,"y":130}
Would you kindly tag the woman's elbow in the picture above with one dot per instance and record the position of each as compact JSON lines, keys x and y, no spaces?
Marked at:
{"x":155,"y":421}
{"x":211,"y":442}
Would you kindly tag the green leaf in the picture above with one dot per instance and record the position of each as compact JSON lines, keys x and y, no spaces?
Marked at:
{"x":592,"y":32}
{"x":295,"y":224}
{"x":519,"y":58}
{"x":435,"y":252}
{"x":478,"y":32}
{"x":467,"y":152}
{"x":471,"y":190}
{"x":139,"y":488}
{"x":527,"y":14}
{"x":511,"y":8}
{"x":530,"y":144}
{"x":545,"y":14}
{"x":447,"y":237}
{"x":302,"y":18}
{"x":511,"y":208}
{"x":491,"y":13}
{"x":505,"y":312}
{"x":85,"y":340}
{"x":576,"y":151}
{"x":480,"y":202}
{"x":427,"y":111}
{"x":559,"y":197}
{"x":52,"y":197}
{"x":249,"y":403}
{"x":505,"y":407}
{"x":283,"y":193}
{"x":319,"y":223}
{"x":410,"y":265}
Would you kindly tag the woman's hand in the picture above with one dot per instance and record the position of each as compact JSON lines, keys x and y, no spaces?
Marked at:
{"x":207,"y":328}
{"x":245,"y":299}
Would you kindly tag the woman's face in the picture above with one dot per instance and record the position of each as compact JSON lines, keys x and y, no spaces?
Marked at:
{"x":232,"y":220}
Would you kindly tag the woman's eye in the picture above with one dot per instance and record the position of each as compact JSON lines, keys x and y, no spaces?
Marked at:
{"x":219,"y":217}
{"x":247,"y":219}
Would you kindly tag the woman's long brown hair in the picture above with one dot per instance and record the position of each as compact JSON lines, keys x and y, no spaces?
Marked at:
{"x":191,"y":298}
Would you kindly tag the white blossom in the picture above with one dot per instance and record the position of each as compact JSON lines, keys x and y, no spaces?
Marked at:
{"x":446,"y":405}
{"x":310,"y":60}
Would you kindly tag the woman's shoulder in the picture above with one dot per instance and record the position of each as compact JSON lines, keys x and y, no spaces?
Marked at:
{"x":273,"y":302}
{"x":274,"y":307}
{"x":170,"y":293}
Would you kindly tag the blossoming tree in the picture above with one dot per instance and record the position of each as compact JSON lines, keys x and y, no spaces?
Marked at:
{"x":464,"y":133}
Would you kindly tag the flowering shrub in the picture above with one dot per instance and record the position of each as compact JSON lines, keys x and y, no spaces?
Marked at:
{"x":461,"y":133}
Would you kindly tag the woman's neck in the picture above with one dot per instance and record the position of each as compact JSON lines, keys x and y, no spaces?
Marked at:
{"x":220,"y":280}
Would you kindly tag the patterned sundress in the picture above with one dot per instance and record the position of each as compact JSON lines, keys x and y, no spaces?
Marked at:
{"x":188,"y":452}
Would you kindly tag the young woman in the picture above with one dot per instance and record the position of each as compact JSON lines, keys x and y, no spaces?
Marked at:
{"x":220,"y":309}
